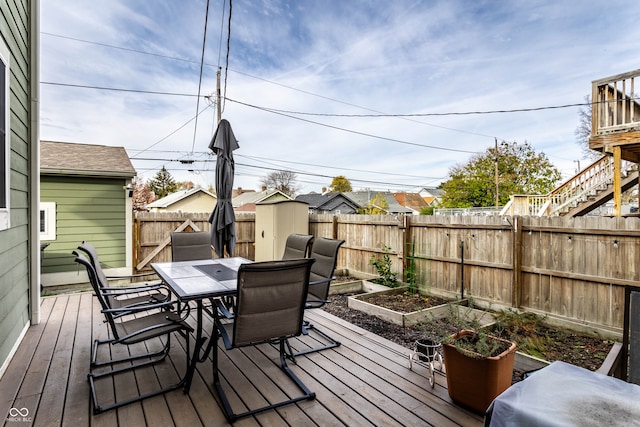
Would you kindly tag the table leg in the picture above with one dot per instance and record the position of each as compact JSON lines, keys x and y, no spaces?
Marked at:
{"x":198,"y":345}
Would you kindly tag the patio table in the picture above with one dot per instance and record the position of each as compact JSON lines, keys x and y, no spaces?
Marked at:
{"x":562,"y":394}
{"x":197,"y":281}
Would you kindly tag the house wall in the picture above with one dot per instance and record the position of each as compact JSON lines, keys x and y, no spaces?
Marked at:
{"x":15,"y":279}
{"x":199,"y":202}
{"x":91,"y":209}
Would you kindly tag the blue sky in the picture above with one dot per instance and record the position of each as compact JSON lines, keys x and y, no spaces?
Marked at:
{"x":331,"y":60}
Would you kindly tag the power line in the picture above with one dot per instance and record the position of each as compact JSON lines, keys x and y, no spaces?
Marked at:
{"x":335,"y":167}
{"x":377,"y":113}
{"x":204,"y":43}
{"x":353,"y":131}
{"x":226,"y":66}
{"x":147,"y":92}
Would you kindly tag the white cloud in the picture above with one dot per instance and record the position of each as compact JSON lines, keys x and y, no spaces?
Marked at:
{"x":337,"y":57}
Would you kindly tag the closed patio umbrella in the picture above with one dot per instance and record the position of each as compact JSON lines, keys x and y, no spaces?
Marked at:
{"x":222,"y":219}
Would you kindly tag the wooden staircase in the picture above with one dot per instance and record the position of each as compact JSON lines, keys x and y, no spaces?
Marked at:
{"x":590,"y":188}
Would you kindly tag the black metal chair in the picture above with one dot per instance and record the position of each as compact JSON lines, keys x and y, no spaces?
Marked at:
{"x":269,"y":308}
{"x":631,"y":336}
{"x":124,"y":296}
{"x":297,"y":246}
{"x":325,"y":253}
{"x":190,"y":246}
{"x":142,"y":323}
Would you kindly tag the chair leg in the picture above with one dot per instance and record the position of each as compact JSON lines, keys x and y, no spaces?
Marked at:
{"x":306,"y":327}
{"x":157,"y":356}
{"x":226,"y":406}
{"x":98,"y":409}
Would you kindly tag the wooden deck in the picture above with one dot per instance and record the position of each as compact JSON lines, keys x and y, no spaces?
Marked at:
{"x":364,"y":382}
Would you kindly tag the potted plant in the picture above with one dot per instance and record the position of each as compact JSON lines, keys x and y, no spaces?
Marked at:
{"x":478,"y":366}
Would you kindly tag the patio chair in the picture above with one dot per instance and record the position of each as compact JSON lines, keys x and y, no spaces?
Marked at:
{"x":151,"y":322}
{"x":269,"y":309}
{"x":193,"y":246}
{"x":190,"y":246}
{"x":297,"y":246}
{"x":122,"y":296}
{"x":325,"y":253}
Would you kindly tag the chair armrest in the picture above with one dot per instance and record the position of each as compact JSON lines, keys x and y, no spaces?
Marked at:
{"x":222,"y":309}
{"x":135,"y":289}
{"x":319,"y":282}
{"x":611,"y":365}
{"x":132,"y":276}
{"x":136,"y":308}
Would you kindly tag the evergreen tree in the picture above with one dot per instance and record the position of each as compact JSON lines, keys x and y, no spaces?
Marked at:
{"x":163,"y":183}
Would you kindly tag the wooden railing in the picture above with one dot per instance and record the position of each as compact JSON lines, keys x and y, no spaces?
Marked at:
{"x":576,"y":190}
{"x":615,"y":105}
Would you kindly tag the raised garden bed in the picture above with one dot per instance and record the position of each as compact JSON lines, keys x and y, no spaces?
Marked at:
{"x":405,"y":308}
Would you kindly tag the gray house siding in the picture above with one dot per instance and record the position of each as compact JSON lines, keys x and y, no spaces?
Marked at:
{"x":16,"y":267}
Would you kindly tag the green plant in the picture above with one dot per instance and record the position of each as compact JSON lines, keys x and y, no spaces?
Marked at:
{"x":478,"y":344}
{"x":410,"y":274}
{"x":383,"y":268}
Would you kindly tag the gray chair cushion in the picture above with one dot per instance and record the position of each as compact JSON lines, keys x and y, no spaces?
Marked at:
{"x":190,"y":246}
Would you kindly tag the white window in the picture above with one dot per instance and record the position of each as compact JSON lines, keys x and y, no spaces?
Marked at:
{"x":4,"y":137}
{"x":47,"y":221}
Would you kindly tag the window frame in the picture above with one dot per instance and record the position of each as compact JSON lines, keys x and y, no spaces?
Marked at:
{"x":48,"y":213}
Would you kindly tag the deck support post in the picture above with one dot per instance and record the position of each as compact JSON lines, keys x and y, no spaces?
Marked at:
{"x":617,"y":187}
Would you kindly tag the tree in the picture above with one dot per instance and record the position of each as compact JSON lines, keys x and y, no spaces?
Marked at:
{"x":340,"y":184}
{"x":377,"y":206}
{"x":142,"y":196}
{"x":284,"y":181}
{"x":520,"y":171}
{"x":163,"y":183}
{"x":583,"y":131}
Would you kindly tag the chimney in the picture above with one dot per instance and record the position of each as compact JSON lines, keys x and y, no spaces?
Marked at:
{"x":239,"y":191}
{"x":264,"y":188}
{"x":324,"y":190}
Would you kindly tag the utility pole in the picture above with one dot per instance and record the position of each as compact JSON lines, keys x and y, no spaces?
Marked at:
{"x":218,"y":104}
{"x":496,"y":172}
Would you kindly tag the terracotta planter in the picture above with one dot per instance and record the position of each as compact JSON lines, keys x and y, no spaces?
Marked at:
{"x":474,"y":382}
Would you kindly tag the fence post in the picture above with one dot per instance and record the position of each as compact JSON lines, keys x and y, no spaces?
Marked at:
{"x":405,"y":226}
{"x":516,"y":290}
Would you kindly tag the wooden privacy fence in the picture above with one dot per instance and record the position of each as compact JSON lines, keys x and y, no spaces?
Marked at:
{"x":572,"y":269}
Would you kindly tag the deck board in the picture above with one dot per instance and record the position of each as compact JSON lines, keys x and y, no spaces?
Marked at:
{"x":364,"y":382}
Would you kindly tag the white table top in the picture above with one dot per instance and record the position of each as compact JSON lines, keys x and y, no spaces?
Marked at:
{"x":562,"y":394}
{"x":190,"y":282}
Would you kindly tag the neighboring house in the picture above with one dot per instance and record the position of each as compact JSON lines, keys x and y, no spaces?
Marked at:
{"x":19,"y":153}
{"x":329,"y":203}
{"x":246,"y":202}
{"x":431,"y":195}
{"x":412,"y":201}
{"x":85,"y":194}
{"x":195,"y":199}
{"x":362,"y":198}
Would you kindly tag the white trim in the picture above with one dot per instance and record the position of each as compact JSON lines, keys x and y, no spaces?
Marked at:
{"x":49,"y":232}
{"x":12,"y":353}
{"x":5,"y":215}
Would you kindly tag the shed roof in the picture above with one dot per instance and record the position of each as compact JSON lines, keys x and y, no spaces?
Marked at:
{"x":253,"y":197}
{"x":67,"y":158}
